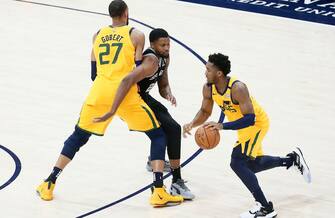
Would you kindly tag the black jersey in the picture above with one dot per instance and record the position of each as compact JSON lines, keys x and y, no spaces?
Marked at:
{"x":146,"y":84}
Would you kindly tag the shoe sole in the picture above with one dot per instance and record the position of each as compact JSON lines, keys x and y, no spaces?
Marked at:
{"x":271,"y":215}
{"x":304,"y":163}
{"x":39,"y":195}
{"x":185,"y":197}
{"x":168,"y":204}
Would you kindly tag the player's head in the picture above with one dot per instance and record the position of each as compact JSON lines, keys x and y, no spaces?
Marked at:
{"x":118,"y":9}
{"x":218,"y":65}
{"x":160,"y":42}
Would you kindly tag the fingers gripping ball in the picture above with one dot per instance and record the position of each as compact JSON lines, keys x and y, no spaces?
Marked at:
{"x":207,"y":138}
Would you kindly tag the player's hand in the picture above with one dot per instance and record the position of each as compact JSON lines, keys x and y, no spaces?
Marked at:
{"x":186,"y":129}
{"x":213,"y":125}
{"x":103,"y":118}
{"x":172,"y":99}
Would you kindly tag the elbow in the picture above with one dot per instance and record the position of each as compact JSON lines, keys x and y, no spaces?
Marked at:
{"x":161,"y":93}
{"x":206,"y":113}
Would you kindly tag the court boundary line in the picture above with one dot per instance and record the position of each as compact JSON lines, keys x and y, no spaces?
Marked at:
{"x":17,"y":167}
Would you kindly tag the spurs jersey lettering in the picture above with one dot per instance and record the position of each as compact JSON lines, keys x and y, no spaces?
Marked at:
{"x":232,"y":111}
{"x":114,"y":52}
{"x":148,"y":83}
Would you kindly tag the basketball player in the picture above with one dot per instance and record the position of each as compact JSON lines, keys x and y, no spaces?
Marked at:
{"x":116,"y":48}
{"x":155,"y":62}
{"x":251,"y":122}
{"x":159,"y":53}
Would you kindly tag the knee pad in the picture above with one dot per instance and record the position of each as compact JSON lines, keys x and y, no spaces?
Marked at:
{"x":78,"y":138}
{"x":158,"y":144}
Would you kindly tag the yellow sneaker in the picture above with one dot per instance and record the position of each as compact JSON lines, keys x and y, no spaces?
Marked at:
{"x":160,"y":198}
{"x":45,"y":190}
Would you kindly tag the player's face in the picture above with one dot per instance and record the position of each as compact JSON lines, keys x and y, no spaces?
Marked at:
{"x":162,"y":47}
{"x":211,"y":72}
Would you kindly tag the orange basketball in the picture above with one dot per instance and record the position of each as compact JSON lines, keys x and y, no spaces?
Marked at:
{"x":207,"y":138}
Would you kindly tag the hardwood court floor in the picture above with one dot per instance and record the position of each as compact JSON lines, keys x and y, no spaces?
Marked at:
{"x":45,"y":76}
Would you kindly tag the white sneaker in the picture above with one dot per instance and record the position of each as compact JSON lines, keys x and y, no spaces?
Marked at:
{"x":252,"y":211}
{"x":259,"y":211}
{"x":179,"y":188}
{"x":301,"y":165}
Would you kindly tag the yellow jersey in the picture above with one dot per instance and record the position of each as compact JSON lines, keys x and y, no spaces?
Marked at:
{"x":114,"y":52}
{"x":115,"y":57}
{"x":232,"y":110}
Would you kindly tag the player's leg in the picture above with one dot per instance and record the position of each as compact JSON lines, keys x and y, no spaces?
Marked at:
{"x":140,"y":117}
{"x":155,"y":106}
{"x":173,"y":134}
{"x":74,"y":142}
{"x":261,"y":162}
{"x":264,"y":162}
{"x":242,"y":153}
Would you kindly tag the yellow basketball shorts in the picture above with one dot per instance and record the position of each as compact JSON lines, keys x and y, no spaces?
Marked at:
{"x":133,"y":110}
{"x":251,"y":139}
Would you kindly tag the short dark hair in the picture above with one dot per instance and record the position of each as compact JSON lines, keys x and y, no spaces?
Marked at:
{"x":157,"y":33}
{"x":220,"y":61}
{"x":117,"y":8}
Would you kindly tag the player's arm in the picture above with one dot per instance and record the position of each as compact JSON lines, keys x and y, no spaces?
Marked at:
{"x":149,"y":65}
{"x":204,"y":112}
{"x":240,"y":94}
{"x":93,"y":62}
{"x":164,"y":86}
{"x":138,"y":39}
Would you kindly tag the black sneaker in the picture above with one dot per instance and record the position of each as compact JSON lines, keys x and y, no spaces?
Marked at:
{"x":293,"y":157}
{"x":300,"y":164}
{"x":267,"y":212}
{"x":259,"y":211}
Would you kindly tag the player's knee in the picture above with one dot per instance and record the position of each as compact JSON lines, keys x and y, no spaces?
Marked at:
{"x":173,"y":131}
{"x":173,"y":127}
{"x":236,"y":164}
{"x":177,"y":129}
{"x":173,"y":135}
{"x":77,"y":139}
{"x":158,"y":144}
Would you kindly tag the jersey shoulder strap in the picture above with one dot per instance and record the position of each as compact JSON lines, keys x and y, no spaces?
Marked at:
{"x":149,"y":51}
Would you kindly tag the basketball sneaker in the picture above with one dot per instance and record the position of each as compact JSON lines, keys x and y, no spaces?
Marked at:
{"x":45,"y":190}
{"x":167,"y":166}
{"x":179,"y":188}
{"x":260,"y":211}
{"x":300,"y":164}
{"x":160,"y":198}
{"x":252,"y":211}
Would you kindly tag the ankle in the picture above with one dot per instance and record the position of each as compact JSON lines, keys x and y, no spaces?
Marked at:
{"x":158,"y":179}
{"x":54,"y":175}
{"x":175,"y":174}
